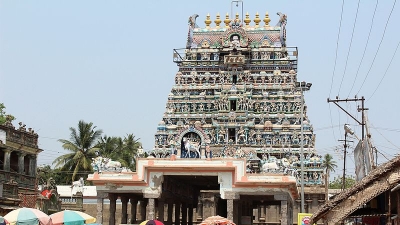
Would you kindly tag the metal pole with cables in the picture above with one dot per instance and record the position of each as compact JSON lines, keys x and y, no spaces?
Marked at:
{"x":302,"y":86}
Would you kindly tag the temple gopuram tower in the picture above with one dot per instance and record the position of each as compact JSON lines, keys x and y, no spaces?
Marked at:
{"x":235,"y":95}
{"x":231,"y":137}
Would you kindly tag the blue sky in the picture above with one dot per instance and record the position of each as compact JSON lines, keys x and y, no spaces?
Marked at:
{"x":110,"y":63}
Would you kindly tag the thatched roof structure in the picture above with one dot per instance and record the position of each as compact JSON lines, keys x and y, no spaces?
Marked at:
{"x":379,"y":180}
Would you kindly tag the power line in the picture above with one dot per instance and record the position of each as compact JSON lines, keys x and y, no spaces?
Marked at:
{"x":333,"y":130}
{"x":384,"y":155}
{"x":337,"y":47}
{"x":351,"y":41}
{"x":382,"y":146}
{"x":386,"y":138}
{"x":365,"y":49}
{"x":325,"y":128}
{"x":386,"y":129}
{"x":379,"y":46}
{"x":390,"y":63}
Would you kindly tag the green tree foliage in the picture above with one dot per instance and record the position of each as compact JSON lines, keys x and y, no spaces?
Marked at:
{"x":120,"y":149}
{"x":82,"y":146}
{"x":337,"y":182}
{"x":85,"y":142}
{"x":3,"y":116}
{"x":44,"y":173}
{"x":329,"y":165}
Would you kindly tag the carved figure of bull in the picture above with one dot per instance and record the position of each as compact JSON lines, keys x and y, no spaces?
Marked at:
{"x":112,"y":164}
{"x":270,"y":166}
{"x":191,"y":147}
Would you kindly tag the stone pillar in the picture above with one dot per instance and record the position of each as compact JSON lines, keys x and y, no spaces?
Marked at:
{"x":177,"y":213}
{"x":184,"y":214}
{"x":199,"y":211}
{"x":230,"y":196}
{"x":134,"y":202}
{"x":202,"y":152}
{"x":290,"y":212}
{"x":170,"y":210}
{"x":99,"y":215}
{"x":143,"y":205}
{"x":178,"y":151}
{"x":236,"y":134}
{"x":284,"y":213}
{"x":150,"y":209}
{"x":226,"y":135}
{"x":79,"y":199}
{"x":229,"y":209}
{"x":208,"y":204}
{"x":113,"y":207}
{"x":261,"y":212}
{"x":190,"y":215}
{"x":236,"y":211}
{"x":7,"y":154}
{"x":273,"y":213}
{"x":21,"y":157}
{"x":100,"y":202}
{"x":32,"y":160}
{"x":161,"y":211}
{"x":124,"y":209}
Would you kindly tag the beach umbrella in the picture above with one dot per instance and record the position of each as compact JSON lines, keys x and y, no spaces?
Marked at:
{"x":217,"y":220}
{"x":151,"y":222}
{"x":70,"y":217}
{"x":27,"y":216}
{"x":2,"y":221}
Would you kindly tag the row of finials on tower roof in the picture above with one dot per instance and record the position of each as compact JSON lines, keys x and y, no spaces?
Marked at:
{"x":247,"y":20}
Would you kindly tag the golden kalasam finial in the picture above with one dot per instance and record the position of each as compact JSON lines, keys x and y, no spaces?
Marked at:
{"x":237,"y":18}
{"x":227,"y":20}
{"x":208,"y":21}
{"x":266,"y":20}
{"x":247,"y":20}
{"x":217,"y":21}
{"x":257,"y":20}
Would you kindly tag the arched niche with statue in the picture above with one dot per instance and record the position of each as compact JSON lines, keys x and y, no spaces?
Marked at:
{"x":191,"y":143}
{"x":235,"y":38}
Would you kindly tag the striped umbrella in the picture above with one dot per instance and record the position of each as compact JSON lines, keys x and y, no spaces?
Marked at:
{"x":70,"y":217}
{"x":2,"y":221}
{"x":27,"y":216}
{"x":151,"y":222}
{"x":217,"y":220}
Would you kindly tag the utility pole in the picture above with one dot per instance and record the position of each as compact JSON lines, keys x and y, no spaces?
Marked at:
{"x":302,"y":86}
{"x":362,"y":109}
{"x":347,"y":130}
{"x":347,"y":127}
{"x":344,"y":161}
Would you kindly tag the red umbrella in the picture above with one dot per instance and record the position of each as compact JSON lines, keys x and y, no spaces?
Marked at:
{"x":217,"y":220}
{"x":151,"y":222}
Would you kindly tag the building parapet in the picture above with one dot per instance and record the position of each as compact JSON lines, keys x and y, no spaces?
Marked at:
{"x":23,"y":181}
{"x":22,"y":135}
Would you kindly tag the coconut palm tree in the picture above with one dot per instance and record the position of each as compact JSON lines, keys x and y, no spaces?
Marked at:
{"x":121,"y":150}
{"x":130,"y":147}
{"x":329,"y":165}
{"x":108,"y":147}
{"x":82,"y":147}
